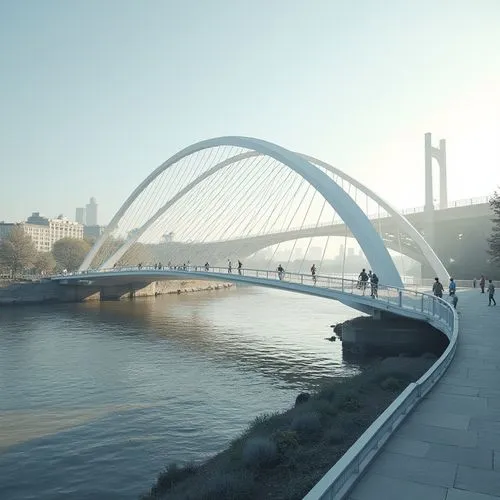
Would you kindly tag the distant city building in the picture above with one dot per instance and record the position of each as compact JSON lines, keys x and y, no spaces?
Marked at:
{"x":91,"y":213}
{"x":44,"y":231}
{"x":80,"y":215}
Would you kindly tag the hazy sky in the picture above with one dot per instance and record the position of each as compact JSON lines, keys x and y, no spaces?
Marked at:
{"x":94,"y":94}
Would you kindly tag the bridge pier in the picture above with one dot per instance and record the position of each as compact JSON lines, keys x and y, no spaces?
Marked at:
{"x":385,"y":334}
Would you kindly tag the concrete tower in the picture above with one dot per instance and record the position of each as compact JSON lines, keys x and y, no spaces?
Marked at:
{"x":80,"y":215}
{"x":91,"y":212}
{"x":440,"y":155}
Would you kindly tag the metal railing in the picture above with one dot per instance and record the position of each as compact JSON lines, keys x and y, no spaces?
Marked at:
{"x":436,"y":310}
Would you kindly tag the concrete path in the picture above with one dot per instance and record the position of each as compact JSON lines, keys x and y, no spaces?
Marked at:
{"x":449,"y":447}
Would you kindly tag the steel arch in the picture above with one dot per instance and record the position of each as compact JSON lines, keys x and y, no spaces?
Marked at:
{"x":340,"y":201}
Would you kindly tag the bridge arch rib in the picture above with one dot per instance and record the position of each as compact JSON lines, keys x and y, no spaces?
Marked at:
{"x":335,"y":196}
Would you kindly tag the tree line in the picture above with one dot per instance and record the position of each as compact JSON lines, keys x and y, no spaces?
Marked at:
{"x":18,"y":255}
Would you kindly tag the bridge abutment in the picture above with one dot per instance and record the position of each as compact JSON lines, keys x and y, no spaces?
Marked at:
{"x":389,"y":335}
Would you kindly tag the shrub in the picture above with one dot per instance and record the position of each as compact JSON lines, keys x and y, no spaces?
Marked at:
{"x":259,"y":452}
{"x":392,"y":384}
{"x":328,"y":393}
{"x":350,"y":403}
{"x":324,"y":407}
{"x":285,"y":440}
{"x":335,"y":436}
{"x":227,"y":486}
{"x":307,"y":425}
{"x":302,"y":398}
{"x":171,"y":476}
{"x":267,"y":423}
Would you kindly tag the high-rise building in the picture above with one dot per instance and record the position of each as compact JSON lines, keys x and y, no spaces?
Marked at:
{"x":91,"y":212}
{"x":80,"y":215}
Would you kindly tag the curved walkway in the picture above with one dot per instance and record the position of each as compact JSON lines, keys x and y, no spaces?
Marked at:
{"x":449,"y":447}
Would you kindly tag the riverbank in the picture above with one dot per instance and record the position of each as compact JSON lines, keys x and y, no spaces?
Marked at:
{"x":282,"y":455}
{"x":22,"y":292}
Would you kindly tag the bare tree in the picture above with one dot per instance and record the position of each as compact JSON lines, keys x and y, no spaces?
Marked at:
{"x":494,"y":239}
{"x":17,"y":251}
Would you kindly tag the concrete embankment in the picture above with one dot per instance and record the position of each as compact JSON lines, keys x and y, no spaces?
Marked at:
{"x":389,"y":336}
{"x":48,"y":291}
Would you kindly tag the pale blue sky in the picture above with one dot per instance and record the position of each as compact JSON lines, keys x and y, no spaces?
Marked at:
{"x":95,"y":94}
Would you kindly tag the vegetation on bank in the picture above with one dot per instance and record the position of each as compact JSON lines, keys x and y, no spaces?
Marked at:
{"x":18,"y":255}
{"x":282,"y":455}
{"x":494,"y":239}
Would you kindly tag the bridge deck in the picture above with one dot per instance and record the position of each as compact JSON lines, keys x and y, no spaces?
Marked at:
{"x":449,"y":447}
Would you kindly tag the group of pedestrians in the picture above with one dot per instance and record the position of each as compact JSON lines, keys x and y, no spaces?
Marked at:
{"x":230,"y":266}
{"x":437,"y":290}
{"x":368,"y":277}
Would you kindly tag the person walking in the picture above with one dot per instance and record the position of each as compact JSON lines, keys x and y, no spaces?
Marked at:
{"x":482,"y":282}
{"x":437,"y":288}
{"x":374,"y":285}
{"x":229,"y":267}
{"x":281,"y":272}
{"x":474,"y":283}
{"x":491,"y":293}
{"x":240,"y":266}
{"x":313,"y":273}
{"x":452,"y":288}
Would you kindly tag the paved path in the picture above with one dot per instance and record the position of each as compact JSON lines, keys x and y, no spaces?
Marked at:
{"x":449,"y":447}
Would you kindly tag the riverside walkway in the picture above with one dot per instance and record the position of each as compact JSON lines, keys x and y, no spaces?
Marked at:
{"x":449,"y":446}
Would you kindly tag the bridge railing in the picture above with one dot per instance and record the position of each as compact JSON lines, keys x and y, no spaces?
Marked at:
{"x":409,"y":299}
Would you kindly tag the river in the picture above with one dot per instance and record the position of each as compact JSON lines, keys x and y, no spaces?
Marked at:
{"x":96,"y":398}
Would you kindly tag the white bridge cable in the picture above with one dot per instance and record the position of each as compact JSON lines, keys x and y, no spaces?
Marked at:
{"x":303,"y":220}
{"x":152,"y":234}
{"x":297,"y":209}
{"x":208,"y":201}
{"x":236,"y":249}
{"x":254,"y":193}
{"x":311,"y":239}
{"x":234,"y":200}
{"x":212,"y":203}
{"x":201,"y":238}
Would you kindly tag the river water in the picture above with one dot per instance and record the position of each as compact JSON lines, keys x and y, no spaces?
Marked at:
{"x":96,"y":398}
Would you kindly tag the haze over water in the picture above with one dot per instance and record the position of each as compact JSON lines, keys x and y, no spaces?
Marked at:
{"x":96,"y":398}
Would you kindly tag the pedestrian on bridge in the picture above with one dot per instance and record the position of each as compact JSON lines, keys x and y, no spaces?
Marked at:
{"x":229,"y":266}
{"x":482,"y":283}
{"x":374,"y":285}
{"x":240,"y":266}
{"x":281,"y":272}
{"x":491,"y":293}
{"x":207,"y":266}
{"x":313,"y":273}
{"x":437,"y":288}
{"x":452,"y":288}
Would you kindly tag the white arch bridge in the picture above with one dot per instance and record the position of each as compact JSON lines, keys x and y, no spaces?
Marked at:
{"x":227,"y":197}
{"x":230,"y":196}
